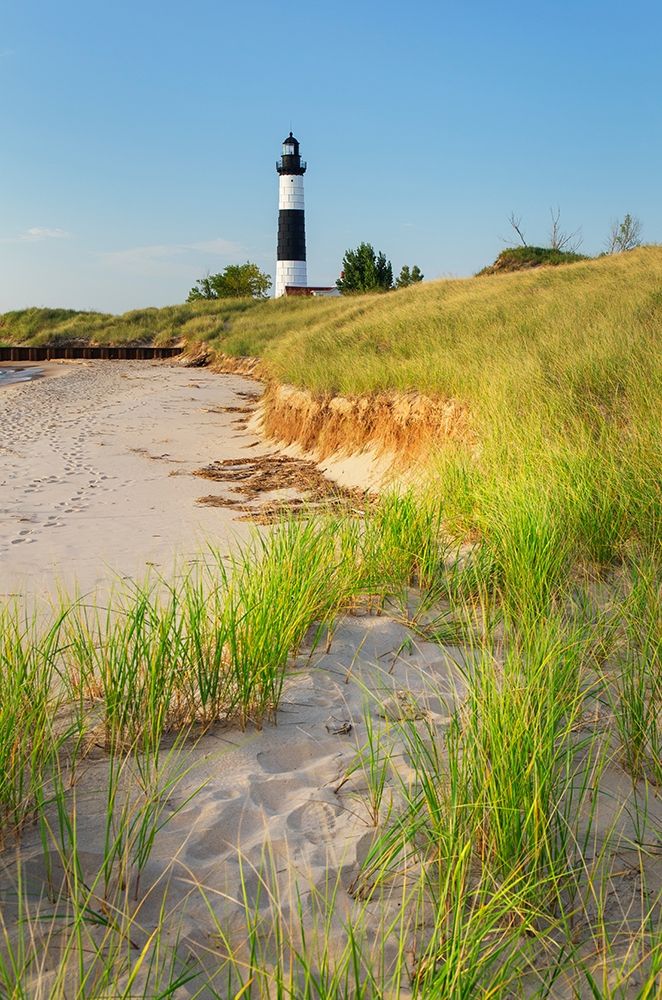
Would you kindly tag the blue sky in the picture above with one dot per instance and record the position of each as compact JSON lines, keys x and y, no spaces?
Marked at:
{"x":139,"y":138}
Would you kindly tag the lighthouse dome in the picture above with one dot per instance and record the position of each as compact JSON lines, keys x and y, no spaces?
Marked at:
{"x":290,"y":161}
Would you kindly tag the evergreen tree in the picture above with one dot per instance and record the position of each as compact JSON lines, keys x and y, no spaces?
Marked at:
{"x":365,"y":271}
{"x":404,"y":278}
{"x":383,"y":272}
{"x":409,"y":277}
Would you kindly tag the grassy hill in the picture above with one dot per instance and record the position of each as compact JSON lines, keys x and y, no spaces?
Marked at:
{"x":436,"y":337}
{"x":559,"y":368}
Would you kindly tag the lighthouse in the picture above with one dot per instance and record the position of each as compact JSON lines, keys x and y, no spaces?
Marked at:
{"x":291,"y":263}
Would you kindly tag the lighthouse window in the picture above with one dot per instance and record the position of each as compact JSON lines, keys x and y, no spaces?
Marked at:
{"x":288,"y":149}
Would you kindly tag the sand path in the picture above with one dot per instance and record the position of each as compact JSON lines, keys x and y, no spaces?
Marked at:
{"x":95,"y":471}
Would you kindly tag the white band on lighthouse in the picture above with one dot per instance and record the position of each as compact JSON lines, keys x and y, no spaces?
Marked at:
{"x":290,"y":192}
{"x":290,"y":272}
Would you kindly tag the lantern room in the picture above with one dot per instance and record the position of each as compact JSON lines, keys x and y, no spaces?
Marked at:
{"x":290,"y":161}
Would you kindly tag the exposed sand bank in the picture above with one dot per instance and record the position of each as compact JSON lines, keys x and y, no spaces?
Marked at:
{"x":361,"y":442}
{"x":400,"y":424}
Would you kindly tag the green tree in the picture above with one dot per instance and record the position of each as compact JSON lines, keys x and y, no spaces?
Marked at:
{"x":365,"y":271}
{"x":236,"y":281}
{"x":625,"y":235}
{"x":409,"y":277}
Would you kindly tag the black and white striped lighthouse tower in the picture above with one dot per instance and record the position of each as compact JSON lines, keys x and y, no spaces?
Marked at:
{"x":291,"y":263}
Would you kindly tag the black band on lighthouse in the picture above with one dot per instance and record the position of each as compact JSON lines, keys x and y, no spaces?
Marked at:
{"x":291,"y":234}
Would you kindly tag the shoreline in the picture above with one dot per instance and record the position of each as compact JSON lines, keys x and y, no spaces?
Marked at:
{"x":45,"y":369}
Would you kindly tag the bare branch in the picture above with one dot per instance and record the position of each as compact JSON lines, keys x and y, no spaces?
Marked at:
{"x":559,"y":240}
{"x":516,"y":223}
{"x":611,"y":243}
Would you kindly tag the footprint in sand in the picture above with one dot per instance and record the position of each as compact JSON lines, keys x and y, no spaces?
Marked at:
{"x":236,"y":822}
{"x":52,"y":522}
{"x":286,"y":759}
{"x":272,"y":795}
{"x":315,"y":820}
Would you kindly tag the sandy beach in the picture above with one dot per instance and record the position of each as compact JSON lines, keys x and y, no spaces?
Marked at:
{"x":95,"y":471}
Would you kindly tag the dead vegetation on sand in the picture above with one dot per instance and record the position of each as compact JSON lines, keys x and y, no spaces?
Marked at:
{"x":252,"y":478}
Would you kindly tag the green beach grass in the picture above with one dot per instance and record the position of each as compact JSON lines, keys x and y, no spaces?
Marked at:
{"x":535,"y":548}
{"x":492,"y":841}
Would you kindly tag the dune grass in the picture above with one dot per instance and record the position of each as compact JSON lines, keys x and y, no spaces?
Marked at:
{"x":484,"y":865}
{"x":28,"y":703}
{"x":577,"y":329}
{"x":535,"y":548}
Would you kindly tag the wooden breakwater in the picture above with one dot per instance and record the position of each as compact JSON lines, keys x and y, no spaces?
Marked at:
{"x":65,"y":352}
